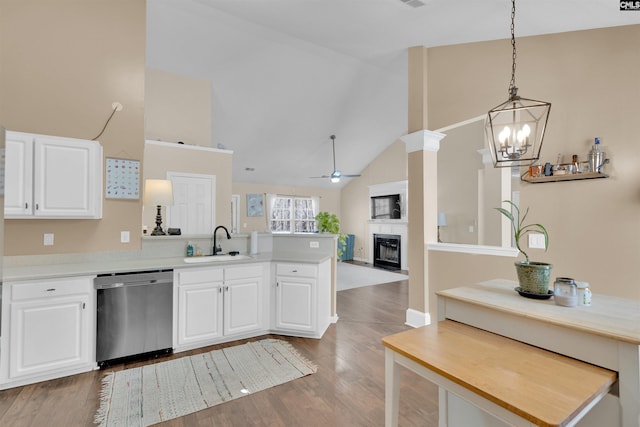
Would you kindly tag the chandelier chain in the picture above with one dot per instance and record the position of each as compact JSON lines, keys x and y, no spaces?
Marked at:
{"x":513,"y":90}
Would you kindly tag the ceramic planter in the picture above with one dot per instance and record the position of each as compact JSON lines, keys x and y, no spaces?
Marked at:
{"x":534,"y":277}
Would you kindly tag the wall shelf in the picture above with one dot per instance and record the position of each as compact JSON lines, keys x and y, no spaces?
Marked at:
{"x":557,"y":178}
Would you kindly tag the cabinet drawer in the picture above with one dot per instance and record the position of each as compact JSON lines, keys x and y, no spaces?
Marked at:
{"x":50,"y":288}
{"x":200,"y":276}
{"x":242,"y":272}
{"x":297,"y":270}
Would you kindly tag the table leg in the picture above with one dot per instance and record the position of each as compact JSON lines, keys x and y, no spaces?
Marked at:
{"x":629,"y":383}
{"x":391,"y":389}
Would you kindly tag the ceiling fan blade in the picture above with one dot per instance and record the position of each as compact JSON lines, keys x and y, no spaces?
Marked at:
{"x":336,"y":175}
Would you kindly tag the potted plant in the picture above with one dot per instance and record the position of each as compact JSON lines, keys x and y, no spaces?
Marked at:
{"x":533,"y":277}
{"x":329,"y":223}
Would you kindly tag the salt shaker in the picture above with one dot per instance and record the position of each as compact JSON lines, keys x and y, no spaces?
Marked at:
{"x":584,"y":294}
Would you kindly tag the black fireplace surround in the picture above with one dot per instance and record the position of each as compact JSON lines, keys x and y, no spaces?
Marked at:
{"x":386,"y":251}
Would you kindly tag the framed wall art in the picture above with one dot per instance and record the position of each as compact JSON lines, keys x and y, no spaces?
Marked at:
{"x":122,"y":179}
{"x":254,"y":205}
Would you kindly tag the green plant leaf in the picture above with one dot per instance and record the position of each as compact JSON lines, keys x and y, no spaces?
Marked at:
{"x":520,"y":229}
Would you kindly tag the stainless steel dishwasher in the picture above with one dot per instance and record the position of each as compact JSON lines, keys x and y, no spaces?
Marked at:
{"x":135,"y":315}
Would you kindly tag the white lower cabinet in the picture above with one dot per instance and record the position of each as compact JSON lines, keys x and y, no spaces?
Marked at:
{"x":48,"y":329}
{"x":302,"y":303}
{"x":199,"y":305}
{"x":244,"y":298}
{"x":216,"y":304}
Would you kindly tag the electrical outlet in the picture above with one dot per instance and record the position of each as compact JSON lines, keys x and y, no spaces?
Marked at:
{"x":116,"y":106}
{"x":124,"y":237}
{"x":536,"y":241}
{"x":48,"y":239}
{"x":314,"y":244}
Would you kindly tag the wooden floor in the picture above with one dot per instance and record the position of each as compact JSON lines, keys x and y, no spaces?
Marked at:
{"x":347,"y":390}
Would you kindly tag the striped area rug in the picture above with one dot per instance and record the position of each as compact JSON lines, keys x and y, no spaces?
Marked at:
{"x":162,"y":391}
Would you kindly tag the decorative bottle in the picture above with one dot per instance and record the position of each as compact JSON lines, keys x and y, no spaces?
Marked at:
{"x":596,"y":157}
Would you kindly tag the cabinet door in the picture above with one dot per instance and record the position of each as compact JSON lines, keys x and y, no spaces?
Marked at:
{"x":18,"y":175}
{"x":48,"y":335}
{"x":243,"y":305}
{"x":199,"y":312}
{"x":295,"y":303}
{"x":68,"y":178}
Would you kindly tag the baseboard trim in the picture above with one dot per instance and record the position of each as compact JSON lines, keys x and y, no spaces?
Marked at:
{"x":334,"y":319}
{"x":415,"y":318}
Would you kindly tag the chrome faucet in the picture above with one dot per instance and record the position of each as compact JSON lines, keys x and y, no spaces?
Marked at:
{"x":217,"y":248}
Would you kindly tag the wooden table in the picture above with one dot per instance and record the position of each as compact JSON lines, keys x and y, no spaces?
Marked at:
{"x":607,"y":334}
{"x":514,"y":382}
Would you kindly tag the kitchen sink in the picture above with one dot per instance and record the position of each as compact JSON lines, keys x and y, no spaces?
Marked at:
{"x":215,"y":258}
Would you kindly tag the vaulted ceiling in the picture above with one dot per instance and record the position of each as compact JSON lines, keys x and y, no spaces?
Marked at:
{"x":287,"y":74}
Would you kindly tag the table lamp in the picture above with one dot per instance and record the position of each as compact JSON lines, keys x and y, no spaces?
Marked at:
{"x":158,"y":192}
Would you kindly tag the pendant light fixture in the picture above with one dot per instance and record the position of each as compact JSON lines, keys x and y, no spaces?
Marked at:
{"x":515,"y":129}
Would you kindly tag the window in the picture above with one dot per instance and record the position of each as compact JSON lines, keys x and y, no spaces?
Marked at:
{"x":288,"y":214}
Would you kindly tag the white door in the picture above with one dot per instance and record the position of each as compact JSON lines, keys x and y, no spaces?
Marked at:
{"x":18,"y":174}
{"x":65,"y":178}
{"x":199,"y":312}
{"x":243,"y":308}
{"x":193,"y":209}
{"x":295,"y":303}
{"x":48,"y":334}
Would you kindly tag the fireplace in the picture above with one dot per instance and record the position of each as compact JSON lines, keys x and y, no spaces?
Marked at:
{"x":386,"y":251}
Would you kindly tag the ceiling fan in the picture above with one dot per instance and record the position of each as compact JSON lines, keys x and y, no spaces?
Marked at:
{"x":336,"y":174}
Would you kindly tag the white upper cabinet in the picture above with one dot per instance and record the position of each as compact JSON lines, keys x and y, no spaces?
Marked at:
{"x":18,"y":194}
{"x":52,"y":177}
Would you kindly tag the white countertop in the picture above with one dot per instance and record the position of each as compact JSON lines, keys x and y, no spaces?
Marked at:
{"x":608,"y":316}
{"x":106,"y":265}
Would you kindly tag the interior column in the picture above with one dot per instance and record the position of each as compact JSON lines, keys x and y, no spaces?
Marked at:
{"x":422,"y":147}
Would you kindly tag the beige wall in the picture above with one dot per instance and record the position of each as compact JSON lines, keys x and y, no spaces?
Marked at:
{"x":390,"y":166}
{"x":588,"y":76}
{"x":63,"y":64}
{"x":160,"y":159}
{"x":177,"y":108}
{"x":329,"y":201}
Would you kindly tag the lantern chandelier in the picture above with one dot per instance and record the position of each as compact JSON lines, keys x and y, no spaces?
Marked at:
{"x":515,"y":129}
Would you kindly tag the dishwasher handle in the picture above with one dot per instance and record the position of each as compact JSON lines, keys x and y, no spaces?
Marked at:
{"x":114,"y":285}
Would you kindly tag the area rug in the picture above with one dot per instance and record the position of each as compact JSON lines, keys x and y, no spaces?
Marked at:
{"x":162,"y":391}
{"x":351,"y":276}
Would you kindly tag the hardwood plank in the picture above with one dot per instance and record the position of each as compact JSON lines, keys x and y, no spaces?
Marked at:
{"x":347,"y":390}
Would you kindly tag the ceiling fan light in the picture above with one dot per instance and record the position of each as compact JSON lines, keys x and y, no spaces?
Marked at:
{"x":335,"y":179}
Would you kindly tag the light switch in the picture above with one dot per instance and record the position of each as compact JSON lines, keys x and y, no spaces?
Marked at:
{"x":124,"y":237}
{"x":536,"y":241}
{"x":48,"y":239}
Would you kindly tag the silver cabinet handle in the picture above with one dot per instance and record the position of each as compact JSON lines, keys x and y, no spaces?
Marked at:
{"x":51,"y":290}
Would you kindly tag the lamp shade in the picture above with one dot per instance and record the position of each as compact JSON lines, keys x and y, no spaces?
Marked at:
{"x":442,"y":219}
{"x":158,"y":192}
